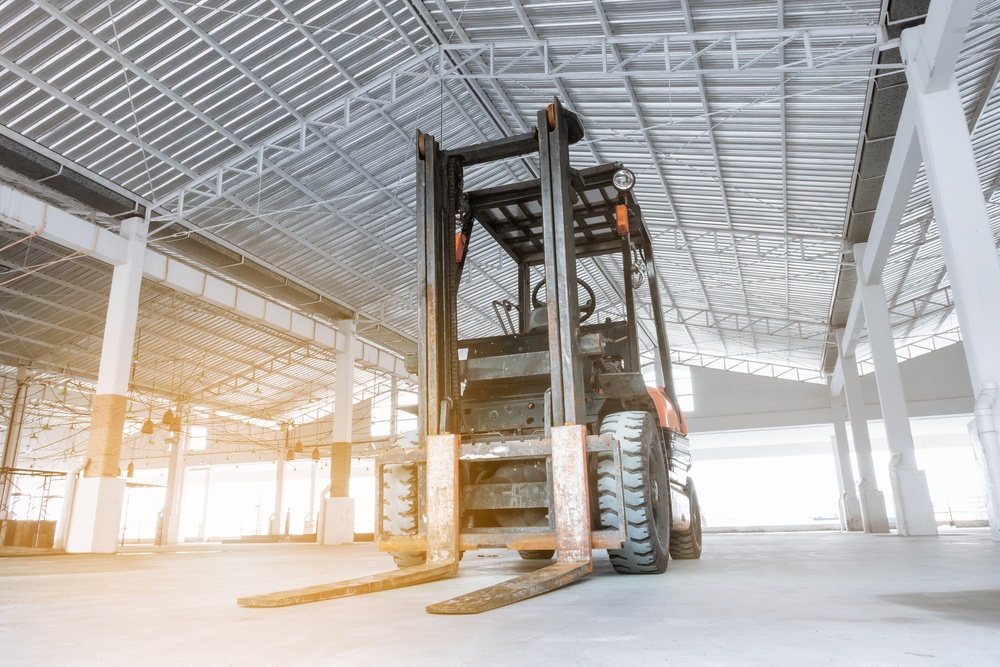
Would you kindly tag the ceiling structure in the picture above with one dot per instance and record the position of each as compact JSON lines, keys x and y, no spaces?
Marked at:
{"x":272,"y":144}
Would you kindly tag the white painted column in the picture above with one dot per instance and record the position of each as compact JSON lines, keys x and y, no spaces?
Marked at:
{"x":97,"y":505}
{"x":339,"y":515}
{"x":309,"y":525}
{"x":12,"y":441}
{"x":274,"y":527}
{"x":872,"y":502}
{"x":393,"y":408}
{"x":203,"y":526}
{"x":966,"y":237}
{"x":174,"y":498}
{"x":914,"y":511}
{"x":850,"y":507}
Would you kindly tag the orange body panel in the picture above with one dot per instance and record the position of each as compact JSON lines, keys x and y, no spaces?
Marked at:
{"x":666,"y":411}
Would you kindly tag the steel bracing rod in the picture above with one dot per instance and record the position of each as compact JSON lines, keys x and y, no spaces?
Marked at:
{"x":741,"y":51}
{"x":710,"y":133}
{"x":419,"y":10}
{"x":648,"y":142}
{"x":343,"y":154}
{"x":766,"y":368}
{"x":784,"y":152}
{"x":114,"y":128}
{"x":385,"y":116}
{"x":94,"y":116}
{"x":926,"y":304}
{"x":166,"y":310}
{"x":368,"y":95}
{"x":741,"y":323}
{"x":592,"y":146}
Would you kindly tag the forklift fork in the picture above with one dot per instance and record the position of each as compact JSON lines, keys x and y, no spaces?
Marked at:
{"x":572,"y":523}
{"x":442,"y":539}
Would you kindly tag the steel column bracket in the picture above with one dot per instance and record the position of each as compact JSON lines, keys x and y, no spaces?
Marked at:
{"x":442,"y":539}
{"x":572,"y":519}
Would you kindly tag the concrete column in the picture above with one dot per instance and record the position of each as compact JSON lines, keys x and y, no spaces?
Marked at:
{"x":966,"y":236}
{"x":339,"y":514}
{"x":99,"y":495}
{"x":850,"y":507}
{"x":872,"y":502}
{"x":274,"y":527}
{"x":12,"y":442}
{"x":173,"y":501}
{"x":202,"y":527}
{"x":310,"y":522}
{"x":393,"y":408}
{"x":914,"y":511}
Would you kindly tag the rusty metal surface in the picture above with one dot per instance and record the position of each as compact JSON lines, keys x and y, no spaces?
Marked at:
{"x":442,"y":539}
{"x":571,"y":493}
{"x":350,"y":587}
{"x":393,"y":456}
{"x":442,"y":498}
{"x":515,"y":495}
{"x":514,"y":590}
{"x":387,"y":542}
{"x":509,"y":449}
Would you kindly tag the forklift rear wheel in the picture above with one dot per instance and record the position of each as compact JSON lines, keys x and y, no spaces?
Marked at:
{"x":647,"y":494}
{"x":686,"y":544}
{"x":536,"y":554}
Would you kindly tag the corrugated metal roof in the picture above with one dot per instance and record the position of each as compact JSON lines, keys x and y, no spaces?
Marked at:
{"x":285,"y":130}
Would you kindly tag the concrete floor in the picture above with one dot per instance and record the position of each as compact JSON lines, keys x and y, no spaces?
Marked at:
{"x":774,"y":599}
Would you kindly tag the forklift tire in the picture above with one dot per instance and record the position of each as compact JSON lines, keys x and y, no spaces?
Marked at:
{"x":686,"y":544}
{"x":399,"y":510}
{"x":539,"y":554}
{"x":647,"y":494}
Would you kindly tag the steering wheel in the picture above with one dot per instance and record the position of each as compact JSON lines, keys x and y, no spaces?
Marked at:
{"x":586,"y":309}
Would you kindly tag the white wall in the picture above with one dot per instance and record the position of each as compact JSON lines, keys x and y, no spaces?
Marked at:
{"x":935,"y":384}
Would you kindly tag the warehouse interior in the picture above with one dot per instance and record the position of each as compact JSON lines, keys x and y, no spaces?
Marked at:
{"x":211,"y":304}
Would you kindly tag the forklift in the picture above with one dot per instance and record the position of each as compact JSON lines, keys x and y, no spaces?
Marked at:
{"x":545,"y":439}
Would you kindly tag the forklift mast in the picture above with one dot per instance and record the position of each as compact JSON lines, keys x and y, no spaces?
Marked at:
{"x":445,"y":217}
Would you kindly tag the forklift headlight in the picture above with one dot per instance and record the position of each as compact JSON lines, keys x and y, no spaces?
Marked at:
{"x":623,"y":180}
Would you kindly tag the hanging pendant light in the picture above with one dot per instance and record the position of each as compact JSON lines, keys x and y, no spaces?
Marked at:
{"x":315,"y":454}
{"x":175,"y":424}
{"x":290,"y":456}
{"x":298,"y":447}
{"x":147,"y":426}
{"x":130,"y":471}
{"x":168,"y":417}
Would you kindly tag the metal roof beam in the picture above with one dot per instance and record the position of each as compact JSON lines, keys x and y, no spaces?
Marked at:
{"x":664,"y":55}
{"x":33,"y":216}
{"x":648,"y":142}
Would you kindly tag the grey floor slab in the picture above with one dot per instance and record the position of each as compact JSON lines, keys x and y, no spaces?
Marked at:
{"x":771,"y":599}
